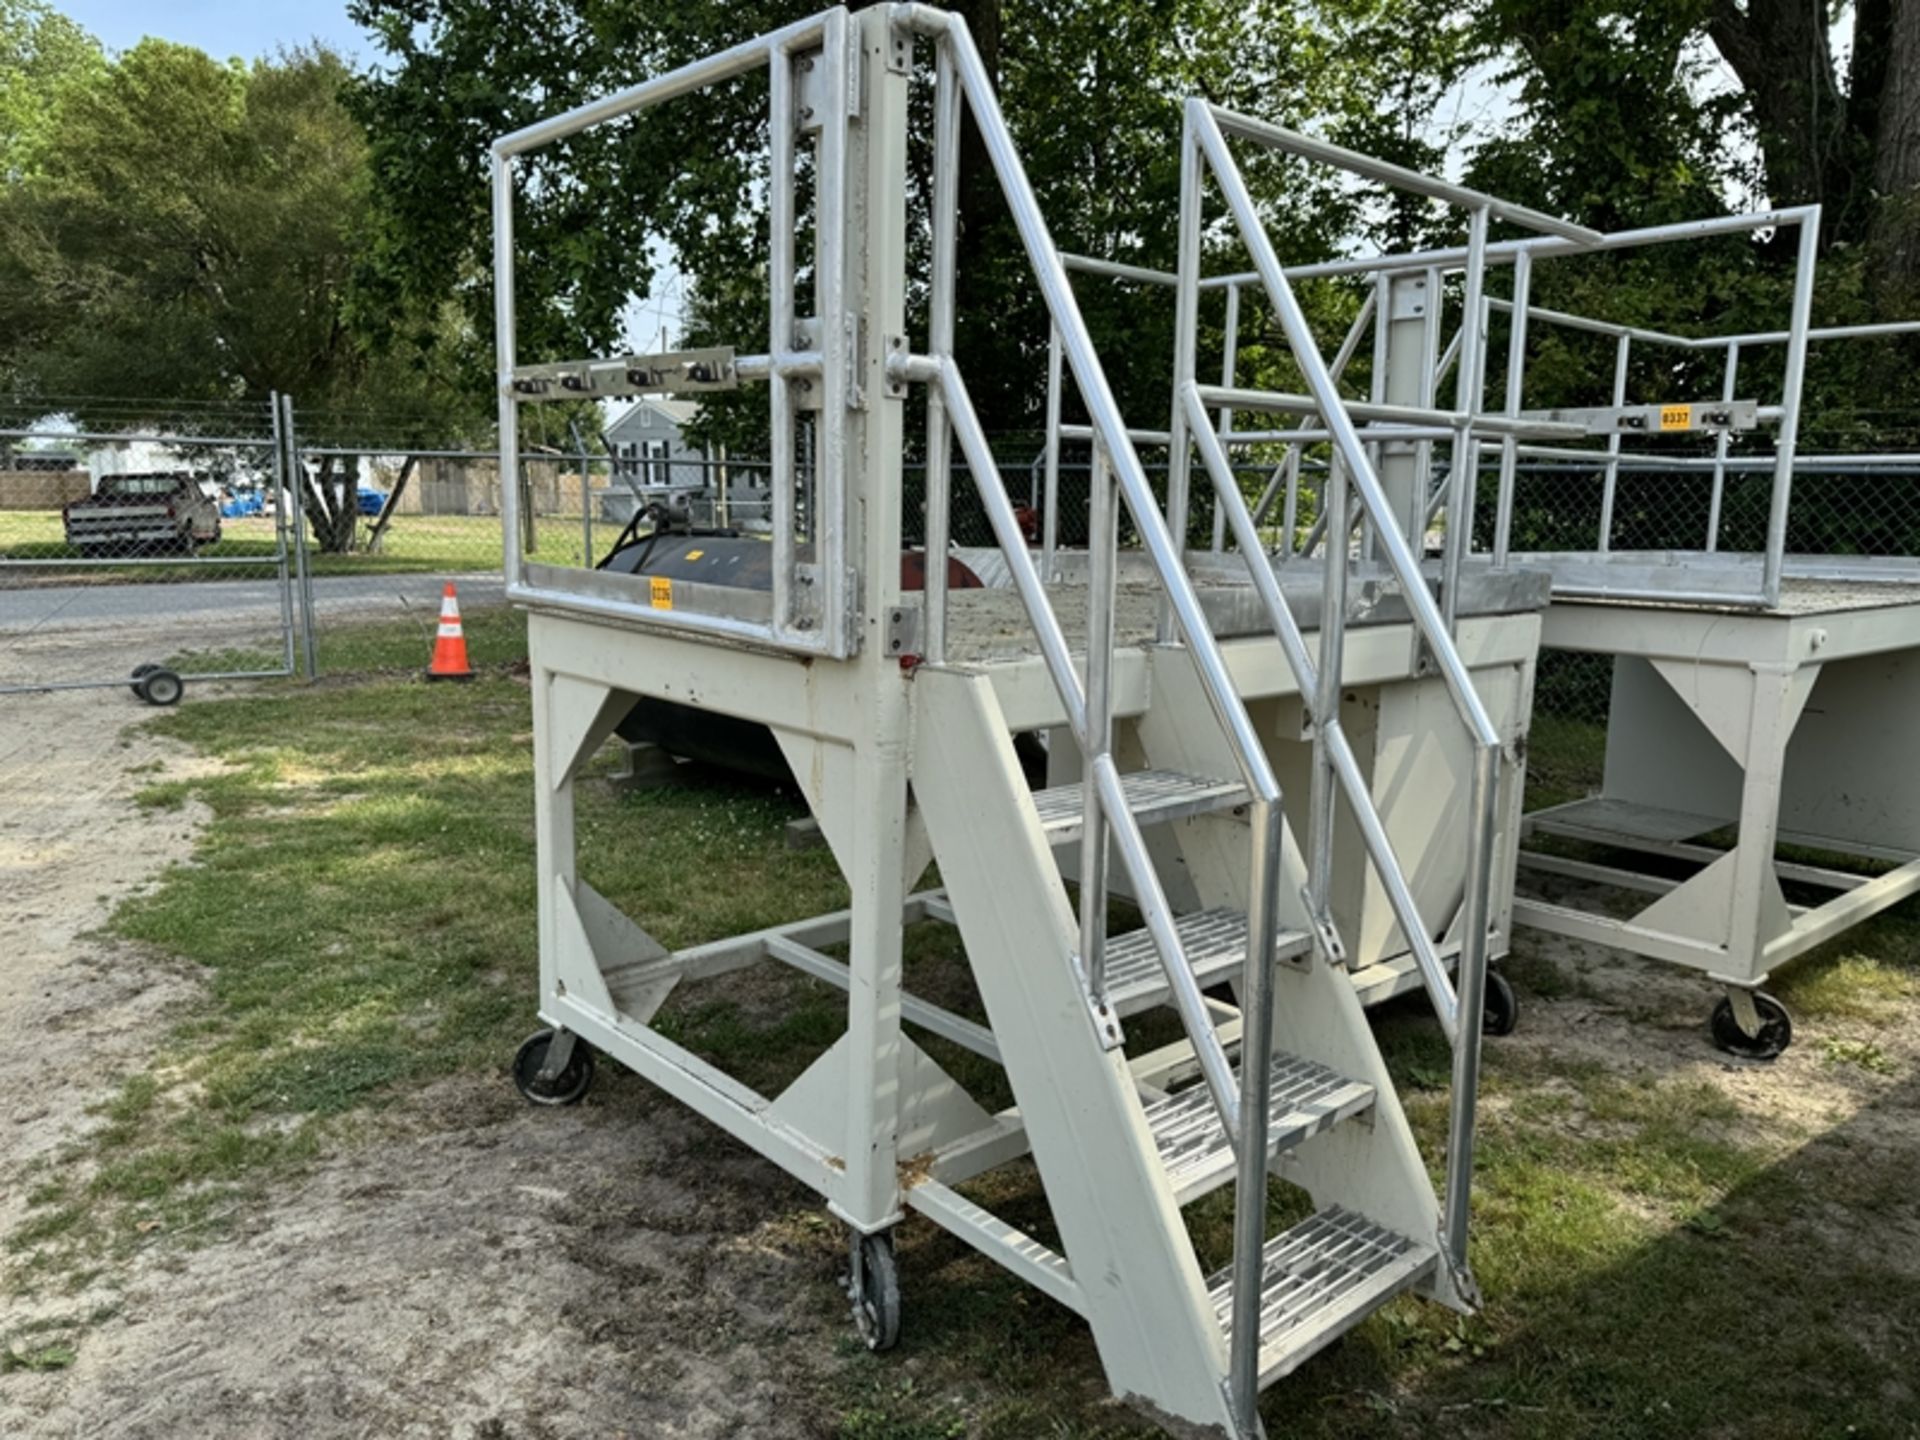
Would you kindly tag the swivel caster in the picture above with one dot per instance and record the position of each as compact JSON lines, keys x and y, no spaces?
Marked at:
{"x":1501,"y":1012}
{"x":874,"y":1288}
{"x":1772,"y":1032}
{"x":550,"y":1073}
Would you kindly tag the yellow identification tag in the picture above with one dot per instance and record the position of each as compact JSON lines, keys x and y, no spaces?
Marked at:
{"x":695,"y":554}
{"x":1676,"y":417}
{"x":661,"y":592}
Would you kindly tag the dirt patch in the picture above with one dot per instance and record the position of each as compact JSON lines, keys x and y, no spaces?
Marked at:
{"x":1644,"y":1021}
{"x":460,"y":1265}
{"x":76,"y":1011}
{"x":478,"y":1269}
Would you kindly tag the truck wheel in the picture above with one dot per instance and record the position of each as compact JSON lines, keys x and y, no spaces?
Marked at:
{"x":160,"y":686}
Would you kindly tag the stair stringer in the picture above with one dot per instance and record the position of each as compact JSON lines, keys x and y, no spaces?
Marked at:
{"x":1372,"y":1168}
{"x":1145,"y":1296}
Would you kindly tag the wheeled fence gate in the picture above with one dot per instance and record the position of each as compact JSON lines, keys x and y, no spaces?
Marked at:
{"x":153,"y":549}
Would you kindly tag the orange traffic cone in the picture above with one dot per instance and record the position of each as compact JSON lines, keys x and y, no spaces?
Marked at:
{"x":450,"y":644}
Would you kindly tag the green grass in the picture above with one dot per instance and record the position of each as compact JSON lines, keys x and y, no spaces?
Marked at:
{"x":1565,"y":759}
{"x":412,"y":544}
{"x":496,"y":636}
{"x":1651,"y":1267}
{"x":332,"y":907}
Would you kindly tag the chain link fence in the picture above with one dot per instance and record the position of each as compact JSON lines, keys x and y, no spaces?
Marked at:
{"x":141,"y":538}
{"x":1841,"y":505}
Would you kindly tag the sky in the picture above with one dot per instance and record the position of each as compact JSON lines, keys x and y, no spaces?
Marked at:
{"x":224,"y":28}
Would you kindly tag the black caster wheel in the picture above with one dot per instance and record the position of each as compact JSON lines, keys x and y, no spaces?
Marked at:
{"x":1775,"y":1034}
{"x":566,"y":1088}
{"x":160,"y":686}
{"x":874,"y":1288}
{"x":140,"y":672}
{"x":1500,"y":1011}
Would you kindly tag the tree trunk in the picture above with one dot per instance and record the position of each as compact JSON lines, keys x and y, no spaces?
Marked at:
{"x":1896,"y":171}
{"x":379,"y":530}
{"x":332,"y":506}
{"x":1808,"y":141}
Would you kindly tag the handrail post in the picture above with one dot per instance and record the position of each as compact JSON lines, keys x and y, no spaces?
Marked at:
{"x":1050,"y":508}
{"x":1472,"y":993}
{"x":1516,"y":379}
{"x":1102,"y":562}
{"x":1256,"y":1077}
{"x":1469,"y":388}
{"x":1324,"y":704}
{"x":1720,"y":445}
{"x":939,"y":497}
{"x":783,"y":479}
{"x":1230,"y":350}
{"x":1789,"y":438}
{"x":1186,"y":340}
{"x":1290,"y":508}
{"x":1623,"y":353}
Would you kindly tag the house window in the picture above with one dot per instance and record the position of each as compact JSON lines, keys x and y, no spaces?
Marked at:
{"x":655,"y":468}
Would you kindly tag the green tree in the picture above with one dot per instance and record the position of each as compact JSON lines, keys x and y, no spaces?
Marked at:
{"x":1092,"y":92}
{"x":1639,"y":111}
{"x":183,"y":230}
{"x":41,"y":50}
{"x":1642,"y":112}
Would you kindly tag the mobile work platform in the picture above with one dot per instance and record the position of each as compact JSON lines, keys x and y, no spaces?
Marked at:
{"x":1304,"y":776}
{"x":1759,"y":604}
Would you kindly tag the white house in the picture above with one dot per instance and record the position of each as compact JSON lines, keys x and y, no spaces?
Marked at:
{"x":649,"y":449}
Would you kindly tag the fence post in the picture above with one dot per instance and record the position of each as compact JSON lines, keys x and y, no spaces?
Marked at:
{"x":282,"y":570}
{"x":297,"y":470}
{"x":523,"y":480}
{"x":586,"y":496}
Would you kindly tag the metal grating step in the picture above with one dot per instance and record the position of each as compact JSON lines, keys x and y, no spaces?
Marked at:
{"x":1215,"y":942}
{"x":1319,"y":1280}
{"x":1194,"y":1146}
{"x":1152,"y":795}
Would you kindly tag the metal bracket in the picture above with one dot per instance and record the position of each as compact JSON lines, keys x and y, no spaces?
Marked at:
{"x":850,"y":587}
{"x":1677,"y":418}
{"x":856,"y":393}
{"x":1407,"y":297}
{"x":899,"y":49}
{"x":1106,"y":1024}
{"x":807,"y":392}
{"x":1745,"y":1013}
{"x":671,"y":372}
{"x":896,"y":387}
{"x":1464,"y":1284}
{"x":1325,"y":936}
{"x":809,"y":92}
{"x":559,"y":1053}
{"x":903,"y":629}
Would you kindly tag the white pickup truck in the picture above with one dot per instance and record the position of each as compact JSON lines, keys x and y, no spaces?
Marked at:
{"x":127,"y":514}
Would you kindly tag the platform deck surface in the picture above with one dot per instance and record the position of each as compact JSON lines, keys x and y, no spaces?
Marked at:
{"x":991,"y":624}
{"x":1798,"y":597}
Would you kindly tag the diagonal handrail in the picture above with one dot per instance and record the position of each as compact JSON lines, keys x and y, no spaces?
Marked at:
{"x":1354,"y":466}
{"x":1244,"y":1113}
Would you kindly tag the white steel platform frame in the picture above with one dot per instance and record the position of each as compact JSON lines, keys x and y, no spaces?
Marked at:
{"x":904,"y":762}
{"x":1789,"y":726}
